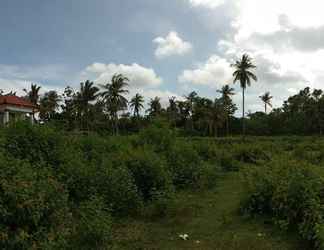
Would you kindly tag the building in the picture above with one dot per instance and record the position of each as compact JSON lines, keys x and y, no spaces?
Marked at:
{"x":14,"y":108}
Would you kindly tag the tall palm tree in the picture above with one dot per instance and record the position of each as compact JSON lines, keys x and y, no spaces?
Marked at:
{"x":49,"y":103}
{"x":227,"y":92}
{"x":33,"y":95}
{"x":87,"y":94}
{"x":266,"y":99}
{"x":155,"y":107}
{"x":114,"y":97}
{"x":172,"y":110}
{"x":191,"y":99}
{"x":244,"y":75}
{"x":136,"y":104}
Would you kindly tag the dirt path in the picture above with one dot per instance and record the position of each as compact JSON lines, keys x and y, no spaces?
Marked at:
{"x":211,"y":220}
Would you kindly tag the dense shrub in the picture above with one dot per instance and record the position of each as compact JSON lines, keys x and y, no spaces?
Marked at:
{"x":184,"y":164}
{"x":37,"y":144}
{"x":291,"y":193}
{"x":92,"y":226}
{"x":157,"y":135}
{"x":34,"y":210}
{"x":149,"y":172}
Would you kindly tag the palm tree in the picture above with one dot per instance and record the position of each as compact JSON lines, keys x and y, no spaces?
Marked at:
{"x":266,"y":99}
{"x":33,"y":95}
{"x":87,"y":94}
{"x":172,"y":110}
{"x":191,"y":99}
{"x":227,"y":92}
{"x":136,"y":104}
{"x":114,"y":97}
{"x":49,"y":103}
{"x":155,"y":107}
{"x":244,"y":75}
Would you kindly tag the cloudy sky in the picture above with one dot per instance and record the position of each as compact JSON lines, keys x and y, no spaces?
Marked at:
{"x":166,"y":48}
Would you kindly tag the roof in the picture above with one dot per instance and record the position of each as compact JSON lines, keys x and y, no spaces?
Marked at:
{"x":16,"y":101}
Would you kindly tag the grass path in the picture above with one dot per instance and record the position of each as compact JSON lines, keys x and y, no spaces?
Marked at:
{"x":210,"y":219}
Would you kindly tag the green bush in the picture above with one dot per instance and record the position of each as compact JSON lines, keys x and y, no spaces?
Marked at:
{"x":149,"y":172}
{"x":157,"y":135}
{"x":37,"y":144}
{"x":184,"y":164}
{"x":92,"y":226}
{"x":34,"y":210}
{"x":290,"y":192}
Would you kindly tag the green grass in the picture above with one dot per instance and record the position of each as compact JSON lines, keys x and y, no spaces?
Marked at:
{"x":212,"y":221}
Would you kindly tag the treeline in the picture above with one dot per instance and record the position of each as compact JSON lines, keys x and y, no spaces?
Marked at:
{"x":108,"y":111}
{"x":105,"y":109}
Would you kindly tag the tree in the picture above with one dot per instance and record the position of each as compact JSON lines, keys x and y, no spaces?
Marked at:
{"x":191,"y":99}
{"x":33,"y":95}
{"x":229,"y":107}
{"x":87,"y":94}
{"x":136,"y":104}
{"x":114,"y":97}
{"x":155,"y":107}
{"x":172,"y":110}
{"x":215,"y":117}
{"x":266,"y":99}
{"x":49,"y":103}
{"x":243,"y":74}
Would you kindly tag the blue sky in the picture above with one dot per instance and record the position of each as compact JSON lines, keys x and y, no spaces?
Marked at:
{"x":166,"y":48}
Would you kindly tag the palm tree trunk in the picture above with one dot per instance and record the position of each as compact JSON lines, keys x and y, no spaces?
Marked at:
{"x":265,"y":108}
{"x":243,"y":115}
{"x":227,"y":125}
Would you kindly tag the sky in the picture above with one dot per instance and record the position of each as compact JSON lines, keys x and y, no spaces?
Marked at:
{"x":166,"y":48}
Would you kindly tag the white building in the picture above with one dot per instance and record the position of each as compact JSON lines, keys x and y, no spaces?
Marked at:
{"x":13,"y":108}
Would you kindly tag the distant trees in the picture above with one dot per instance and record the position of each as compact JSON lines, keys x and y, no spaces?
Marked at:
{"x":102,"y":109}
{"x":243,"y":74}
{"x":266,"y":99}
{"x":136,"y":104}
{"x":229,"y":107}
{"x":155,"y":107}
{"x":49,"y":104}
{"x":114,"y":97}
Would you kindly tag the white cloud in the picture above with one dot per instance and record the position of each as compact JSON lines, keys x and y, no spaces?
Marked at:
{"x":138,"y":75}
{"x":171,"y":45}
{"x":207,"y":3}
{"x":214,"y":73}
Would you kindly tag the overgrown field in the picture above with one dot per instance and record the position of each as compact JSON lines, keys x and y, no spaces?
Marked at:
{"x":63,"y":191}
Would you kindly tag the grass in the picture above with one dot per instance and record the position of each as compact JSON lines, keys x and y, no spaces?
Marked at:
{"x":212,"y":221}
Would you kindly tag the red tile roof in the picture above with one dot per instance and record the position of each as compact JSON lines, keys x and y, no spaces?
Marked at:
{"x":16,"y":101}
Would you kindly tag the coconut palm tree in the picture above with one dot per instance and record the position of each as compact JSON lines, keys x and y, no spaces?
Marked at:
{"x":227,"y":92}
{"x":136,"y":104}
{"x":190,"y":100}
{"x":172,"y":110}
{"x":49,"y":103}
{"x":266,"y":99}
{"x":88,"y":93}
{"x":33,"y":93}
{"x":155,"y":107}
{"x":243,"y":74}
{"x":114,"y":97}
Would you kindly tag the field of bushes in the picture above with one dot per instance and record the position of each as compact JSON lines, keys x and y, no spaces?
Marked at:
{"x":67,"y":191}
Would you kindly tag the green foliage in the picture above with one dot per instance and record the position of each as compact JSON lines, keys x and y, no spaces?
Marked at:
{"x":33,"y":206}
{"x":149,"y":172}
{"x":37,"y":144}
{"x":290,"y":192}
{"x":92,"y":226}
{"x":184,"y":164}
{"x":157,"y":135}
